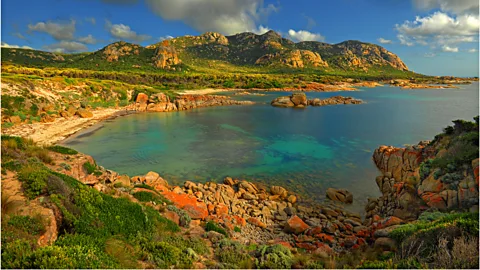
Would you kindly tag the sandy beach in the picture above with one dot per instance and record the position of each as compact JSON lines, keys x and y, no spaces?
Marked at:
{"x":61,"y":128}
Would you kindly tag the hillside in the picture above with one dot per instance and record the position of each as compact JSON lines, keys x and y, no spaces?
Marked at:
{"x":244,"y":52}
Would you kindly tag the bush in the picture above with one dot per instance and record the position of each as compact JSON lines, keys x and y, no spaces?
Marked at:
{"x":194,"y":243}
{"x":233,"y":255}
{"x":66,"y":166}
{"x":212,"y":226}
{"x":62,"y":150}
{"x":165,"y":255}
{"x":274,"y":257}
{"x":15,"y":255}
{"x":145,"y":196}
{"x":28,"y":224}
{"x":89,"y":167}
{"x":34,"y":178}
{"x":184,"y":216}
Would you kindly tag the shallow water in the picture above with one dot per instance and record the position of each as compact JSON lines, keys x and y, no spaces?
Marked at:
{"x":306,"y":150}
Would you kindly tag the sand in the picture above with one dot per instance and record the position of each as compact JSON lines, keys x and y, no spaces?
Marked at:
{"x":61,"y":128}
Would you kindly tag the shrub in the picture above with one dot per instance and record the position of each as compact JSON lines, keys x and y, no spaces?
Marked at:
{"x":66,"y":166}
{"x":28,"y":224}
{"x":62,"y":150}
{"x":184,"y":216}
{"x":274,"y":257}
{"x":233,"y":255}
{"x":165,"y":255}
{"x":194,"y":243}
{"x":237,"y":229}
{"x":145,"y":196}
{"x":212,"y":226}
{"x":15,"y":255}
{"x":34,"y":178}
{"x":89,"y":167}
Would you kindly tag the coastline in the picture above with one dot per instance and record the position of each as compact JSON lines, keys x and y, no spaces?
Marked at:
{"x":62,"y":128}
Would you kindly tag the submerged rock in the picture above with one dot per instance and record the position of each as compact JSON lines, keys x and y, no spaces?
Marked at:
{"x":340,"y":195}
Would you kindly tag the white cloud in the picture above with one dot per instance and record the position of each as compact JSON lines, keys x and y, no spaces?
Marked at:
{"x":88,"y":39}
{"x":165,"y":38}
{"x":6,"y":45}
{"x":303,"y":35}
{"x":66,"y":46}
{"x":452,"y":6}
{"x":472,"y":50}
{"x":429,"y":55}
{"x":439,"y":29}
{"x":446,"y":48}
{"x":404,"y":40}
{"x":59,"y":31}
{"x":384,"y":41}
{"x":122,"y":31}
{"x":261,"y":30}
{"x":225,"y":16}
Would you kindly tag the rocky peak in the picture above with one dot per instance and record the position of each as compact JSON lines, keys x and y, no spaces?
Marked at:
{"x":272,"y":35}
{"x":118,"y":49}
{"x":165,"y":56}
{"x":213,"y":37}
{"x":295,"y":59}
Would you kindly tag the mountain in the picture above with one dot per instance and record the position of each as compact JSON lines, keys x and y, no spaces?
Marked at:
{"x":267,"y":52}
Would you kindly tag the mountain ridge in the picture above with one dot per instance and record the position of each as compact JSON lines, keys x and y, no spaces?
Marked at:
{"x":266,"y":51}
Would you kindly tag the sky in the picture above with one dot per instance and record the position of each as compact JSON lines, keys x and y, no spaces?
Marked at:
{"x":434,"y":37}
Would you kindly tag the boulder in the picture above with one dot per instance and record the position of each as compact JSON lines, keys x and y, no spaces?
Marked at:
{"x":257,"y":223}
{"x":142,"y":98}
{"x":124,"y":180}
{"x":299,"y":99}
{"x":341,"y":195}
{"x":296,"y":225}
{"x":280,"y":191}
{"x":292,"y":199}
{"x":282,"y":102}
{"x":385,"y":244}
{"x":83,"y":113}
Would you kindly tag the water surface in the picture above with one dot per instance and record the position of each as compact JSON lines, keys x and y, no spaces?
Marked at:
{"x":307,"y":150}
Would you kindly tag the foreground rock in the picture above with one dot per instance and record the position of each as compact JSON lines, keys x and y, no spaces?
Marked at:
{"x":299,"y":100}
{"x":340,"y":195}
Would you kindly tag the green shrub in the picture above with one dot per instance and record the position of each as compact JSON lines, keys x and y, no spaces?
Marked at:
{"x":195,"y":243}
{"x":212,"y":226}
{"x":145,"y":196}
{"x":273,"y":257}
{"x":34,"y":178}
{"x":165,"y":255}
{"x":237,"y":229}
{"x":15,"y":255}
{"x":232,"y":254}
{"x":184,"y":216}
{"x":28,"y":224}
{"x":66,"y":166}
{"x":62,"y":150}
{"x":376,"y":265}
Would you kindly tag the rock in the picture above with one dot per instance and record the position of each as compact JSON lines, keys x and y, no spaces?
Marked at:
{"x":257,"y":223}
{"x":248,"y":187}
{"x":290,"y":211}
{"x":341,"y":195}
{"x":83,"y":113}
{"x":189,"y":185}
{"x":293,"y":59}
{"x":228,"y":181}
{"x":282,"y":102}
{"x":124,"y":180}
{"x":166,"y":56}
{"x":386,"y":244}
{"x":15,"y":119}
{"x":292,"y":199}
{"x":172,"y":216}
{"x":334,"y":101}
{"x":280,"y":191}
{"x":295,"y":225}
{"x":299,"y":99}
{"x":248,"y":196}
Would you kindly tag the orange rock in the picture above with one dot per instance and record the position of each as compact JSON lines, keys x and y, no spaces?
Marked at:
{"x":240,"y":221}
{"x":221,"y":209}
{"x":257,"y":223}
{"x":325,"y":238}
{"x":390,"y":221}
{"x":296,"y":225}
{"x":142,"y":98}
{"x":172,"y":216}
{"x":195,"y":209}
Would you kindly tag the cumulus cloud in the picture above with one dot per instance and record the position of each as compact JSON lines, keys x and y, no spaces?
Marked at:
{"x":303,"y":35}
{"x":66,"y":46}
{"x":384,"y":41}
{"x":165,"y":38}
{"x":59,"y":31}
{"x":225,"y":16}
{"x":452,"y":6}
{"x":6,"y":45}
{"x":439,"y":29}
{"x":473,"y":50}
{"x":19,"y":35}
{"x":261,"y":30}
{"x":122,"y":31}
{"x":429,"y":55}
{"x":446,"y":48}
{"x":88,"y":39}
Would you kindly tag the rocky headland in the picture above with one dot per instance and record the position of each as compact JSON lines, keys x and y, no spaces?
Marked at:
{"x":299,"y":100}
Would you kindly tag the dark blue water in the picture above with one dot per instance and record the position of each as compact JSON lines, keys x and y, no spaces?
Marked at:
{"x":307,"y":150}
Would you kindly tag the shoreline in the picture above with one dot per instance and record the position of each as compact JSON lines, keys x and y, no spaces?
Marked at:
{"x":62,"y":128}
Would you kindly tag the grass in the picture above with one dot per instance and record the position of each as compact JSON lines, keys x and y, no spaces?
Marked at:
{"x":62,"y":150}
{"x":212,"y":226}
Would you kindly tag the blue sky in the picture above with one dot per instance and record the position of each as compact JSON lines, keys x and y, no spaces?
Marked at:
{"x":436,"y":37}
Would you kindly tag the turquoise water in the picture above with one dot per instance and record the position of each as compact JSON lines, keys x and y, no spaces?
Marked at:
{"x":307,"y":150}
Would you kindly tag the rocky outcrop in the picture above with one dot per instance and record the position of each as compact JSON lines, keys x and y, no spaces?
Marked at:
{"x":114,"y":51}
{"x":299,"y":100}
{"x":186,"y":102}
{"x":334,"y":101}
{"x":409,"y":186}
{"x":166,"y":56}
{"x":340,"y":195}
{"x":294,"y":59}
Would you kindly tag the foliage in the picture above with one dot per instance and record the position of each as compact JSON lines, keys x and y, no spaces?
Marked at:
{"x":164,"y":255}
{"x":28,"y":224}
{"x":34,"y":178}
{"x":62,"y":150}
{"x":273,"y":257}
{"x":212,"y":226}
{"x":233,"y":255}
{"x":184,"y":216}
{"x":145,"y":196}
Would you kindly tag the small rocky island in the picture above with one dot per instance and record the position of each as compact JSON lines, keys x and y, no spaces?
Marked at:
{"x":299,"y":100}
